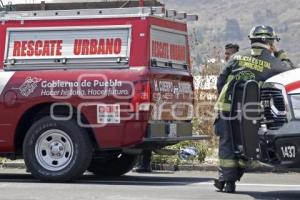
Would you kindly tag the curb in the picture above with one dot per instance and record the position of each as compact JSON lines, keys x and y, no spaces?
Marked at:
{"x":13,"y":165}
{"x":214,"y":167}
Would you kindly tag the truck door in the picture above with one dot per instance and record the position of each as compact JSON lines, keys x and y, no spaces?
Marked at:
{"x":171,"y":80}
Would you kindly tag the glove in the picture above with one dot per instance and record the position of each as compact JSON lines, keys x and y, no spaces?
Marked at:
{"x":281,"y":55}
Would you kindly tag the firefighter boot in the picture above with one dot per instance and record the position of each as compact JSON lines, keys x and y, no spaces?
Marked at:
{"x":229,"y":187}
{"x":219,"y":184}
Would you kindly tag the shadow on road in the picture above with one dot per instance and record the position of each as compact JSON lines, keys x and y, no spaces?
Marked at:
{"x":130,"y":179}
{"x":10,"y":177}
{"x":273,"y":195}
{"x":143,"y":180}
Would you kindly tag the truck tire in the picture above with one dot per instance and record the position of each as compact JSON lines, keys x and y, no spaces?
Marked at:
{"x":113,"y":166}
{"x":57,"y":150}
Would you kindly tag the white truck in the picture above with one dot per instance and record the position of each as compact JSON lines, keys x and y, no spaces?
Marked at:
{"x":271,"y":131}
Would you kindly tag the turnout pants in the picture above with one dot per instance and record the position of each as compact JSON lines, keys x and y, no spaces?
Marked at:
{"x":145,"y":160}
{"x":231,"y":167}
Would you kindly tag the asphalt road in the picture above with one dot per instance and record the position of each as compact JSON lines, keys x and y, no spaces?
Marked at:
{"x":17,"y":185}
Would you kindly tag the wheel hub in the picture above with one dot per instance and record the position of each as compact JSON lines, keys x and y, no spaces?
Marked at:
{"x":54,"y":150}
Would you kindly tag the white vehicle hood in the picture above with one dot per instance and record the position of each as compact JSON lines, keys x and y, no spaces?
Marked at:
{"x":290,"y":80}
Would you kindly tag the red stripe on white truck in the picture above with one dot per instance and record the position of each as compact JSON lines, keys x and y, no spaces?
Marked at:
{"x":292,"y":86}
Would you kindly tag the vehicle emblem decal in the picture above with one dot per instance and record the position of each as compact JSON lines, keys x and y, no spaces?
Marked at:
{"x":29,"y":86}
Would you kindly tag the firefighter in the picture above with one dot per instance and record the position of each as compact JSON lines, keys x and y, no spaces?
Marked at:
{"x":144,"y":162}
{"x":230,"y":49}
{"x":260,"y":63}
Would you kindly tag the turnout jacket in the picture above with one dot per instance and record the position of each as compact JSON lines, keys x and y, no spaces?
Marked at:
{"x":259,"y":64}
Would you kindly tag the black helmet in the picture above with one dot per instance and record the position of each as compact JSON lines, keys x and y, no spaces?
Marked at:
{"x":263,"y":33}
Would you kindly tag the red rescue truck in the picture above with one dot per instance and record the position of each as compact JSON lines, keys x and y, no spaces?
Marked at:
{"x":84,"y":87}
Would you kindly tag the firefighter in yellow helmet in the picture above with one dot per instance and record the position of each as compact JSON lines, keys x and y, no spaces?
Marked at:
{"x":259,"y":63}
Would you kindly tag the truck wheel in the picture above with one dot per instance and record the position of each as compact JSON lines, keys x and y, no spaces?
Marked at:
{"x":57,"y":150}
{"x":116,"y":165}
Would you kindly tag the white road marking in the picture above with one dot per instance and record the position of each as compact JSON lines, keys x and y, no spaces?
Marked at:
{"x":130,"y":182}
{"x":255,"y":184}
{"x":268,"y":185}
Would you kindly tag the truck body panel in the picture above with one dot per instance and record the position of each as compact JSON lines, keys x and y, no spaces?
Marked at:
{"x":45,"y":65}
{"x":289,"y":79}
{"x":88,"y":87}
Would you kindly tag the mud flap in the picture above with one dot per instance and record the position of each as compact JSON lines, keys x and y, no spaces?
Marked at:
{"x":245,"y":115}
